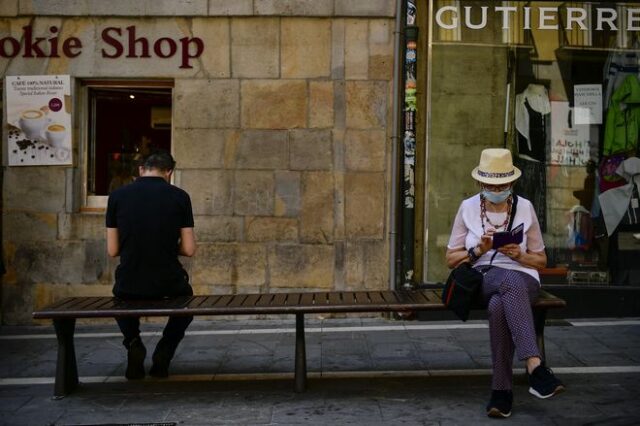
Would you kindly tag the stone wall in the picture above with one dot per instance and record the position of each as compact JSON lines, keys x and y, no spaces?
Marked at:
{"x":280,"y":134}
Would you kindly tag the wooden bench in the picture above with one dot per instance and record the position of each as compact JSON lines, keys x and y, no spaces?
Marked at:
{"x":65,"y":312}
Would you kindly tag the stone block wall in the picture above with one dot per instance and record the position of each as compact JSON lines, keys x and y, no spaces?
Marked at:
{"x":280,"y":133}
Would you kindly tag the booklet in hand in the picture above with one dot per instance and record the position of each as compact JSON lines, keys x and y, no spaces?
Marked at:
{"x":508,"y":237}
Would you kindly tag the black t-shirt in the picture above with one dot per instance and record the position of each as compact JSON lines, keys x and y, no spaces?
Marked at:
{"x":149,"y":214}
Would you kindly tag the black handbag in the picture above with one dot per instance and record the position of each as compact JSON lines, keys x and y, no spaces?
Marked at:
{"x":462,"y":289}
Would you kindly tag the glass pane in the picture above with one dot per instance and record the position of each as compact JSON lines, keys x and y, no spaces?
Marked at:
{"x":126,"y":124}
{"x":538,"y":79}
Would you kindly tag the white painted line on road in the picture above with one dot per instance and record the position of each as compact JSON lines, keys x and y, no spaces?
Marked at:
{"x":347,"y":329}
{"x":26,"y":381}
{"x":603,"y":323}
{"x":262,"y":331}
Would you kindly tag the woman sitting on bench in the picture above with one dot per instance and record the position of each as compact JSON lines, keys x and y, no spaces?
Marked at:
{"x":511,"y":279}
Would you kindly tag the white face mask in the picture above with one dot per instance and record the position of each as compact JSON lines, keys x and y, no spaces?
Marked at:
{"x":496,"y":197}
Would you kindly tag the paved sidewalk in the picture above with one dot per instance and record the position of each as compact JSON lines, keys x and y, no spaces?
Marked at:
{"x":362,"y":371}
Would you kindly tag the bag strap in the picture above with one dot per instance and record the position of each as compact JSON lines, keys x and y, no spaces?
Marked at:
{"x":510,"y":225}
{"x":513,"y":212}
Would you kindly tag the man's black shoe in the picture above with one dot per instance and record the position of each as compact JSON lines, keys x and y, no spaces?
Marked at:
{"x":161,"y":360}
{"x":500,"y":404}
{"x":543,"y":384}
{"x":136,"y":353}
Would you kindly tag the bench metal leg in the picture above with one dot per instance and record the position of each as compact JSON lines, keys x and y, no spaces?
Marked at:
{"x":539,"y":319}
{"x":66,"y":368}
{"x":301,"y":356}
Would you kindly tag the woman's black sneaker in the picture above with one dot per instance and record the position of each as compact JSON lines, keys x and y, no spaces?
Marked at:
{"x":543,"y":384}
{"x":500,"y":404}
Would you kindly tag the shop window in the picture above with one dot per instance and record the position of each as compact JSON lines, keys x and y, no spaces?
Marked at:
{"x":125,"y":121}
{"x":565,"y":66}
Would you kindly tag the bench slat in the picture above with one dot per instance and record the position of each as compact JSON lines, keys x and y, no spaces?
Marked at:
{"x":98,"y":305}
{"x":389,"y":297}
{"x":196,"y":301}
{"x":279,"y":299}
{"x":420,"y":297}
{"x":404,"y":297}
{"x":434,"y":296}
{"x":104,"y":304}
{"x":376,"y":298}
{"x":84,"y":304}
{"x":251,"y":300}
{"x":307,"y":299}
{"x":109,"y":304}
{"x":237,"y":300}
{"x":61,"y":304}
{"x":223,"y":301}
{"x":210,"y":301}
{"x":294,"y":299}
{"x":335,"y":299}
{"x":349,"y":298}
{"x":362,"y":297}
{"x":81,"y":302}
{"x":265,"y":300}
{"x":548,"y":300}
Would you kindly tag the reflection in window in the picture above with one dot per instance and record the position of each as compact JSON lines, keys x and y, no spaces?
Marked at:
{"x":126,"y":123}
{"x":556,"y":97}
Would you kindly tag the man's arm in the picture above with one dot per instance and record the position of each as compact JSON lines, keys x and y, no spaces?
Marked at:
{"x":113,"y":243}
{"x":187,"y":242}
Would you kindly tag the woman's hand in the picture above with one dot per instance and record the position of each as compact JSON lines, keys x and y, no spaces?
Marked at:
{"x":536,"y":260}
{"x":511,"y":250}
{"x":486,"y":242}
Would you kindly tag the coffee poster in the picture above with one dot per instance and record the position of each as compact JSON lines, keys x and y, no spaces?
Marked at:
{"x":39,"y":120}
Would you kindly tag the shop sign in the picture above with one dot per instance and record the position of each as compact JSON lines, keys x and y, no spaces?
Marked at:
{"x":38,"y":120}
{"x":118,"y":43}
{"x":587,"y":99}
{"x":548,"y":18}
{"x":569,"y":140}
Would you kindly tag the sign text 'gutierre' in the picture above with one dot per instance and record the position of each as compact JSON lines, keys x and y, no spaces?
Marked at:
{"x":548,"y":18}
{"x":118,"y":43}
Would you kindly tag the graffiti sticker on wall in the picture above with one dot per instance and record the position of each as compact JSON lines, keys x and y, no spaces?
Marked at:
{"x":38,"y":120}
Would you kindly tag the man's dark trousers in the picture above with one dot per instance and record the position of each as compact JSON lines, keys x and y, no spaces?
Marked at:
{"x":173,"y":331}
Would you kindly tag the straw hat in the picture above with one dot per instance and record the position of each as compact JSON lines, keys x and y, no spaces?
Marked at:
{"x":496,"y":167}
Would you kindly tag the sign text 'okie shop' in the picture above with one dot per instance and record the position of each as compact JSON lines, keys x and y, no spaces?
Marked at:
{"x":118,"y":43}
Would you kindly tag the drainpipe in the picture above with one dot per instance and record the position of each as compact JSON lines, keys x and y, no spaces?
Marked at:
{"x":395,"y":142}
{"x":409,"y":148}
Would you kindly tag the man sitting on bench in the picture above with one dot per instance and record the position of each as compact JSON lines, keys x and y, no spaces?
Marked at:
{"x":149,"y":223}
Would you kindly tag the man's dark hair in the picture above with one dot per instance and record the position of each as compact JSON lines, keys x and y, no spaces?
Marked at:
{"x":159,"y":160}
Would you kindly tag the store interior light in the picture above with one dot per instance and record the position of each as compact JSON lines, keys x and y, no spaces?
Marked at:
{"x":132,"y":96}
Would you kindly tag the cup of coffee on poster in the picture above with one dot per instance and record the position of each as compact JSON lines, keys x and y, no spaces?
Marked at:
{"x":32,"y":122}
{"x":55,"y":135}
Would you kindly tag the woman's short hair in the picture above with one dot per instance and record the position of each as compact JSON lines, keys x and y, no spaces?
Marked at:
{"x":159,"y":160}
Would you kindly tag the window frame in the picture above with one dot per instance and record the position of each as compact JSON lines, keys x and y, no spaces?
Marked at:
{"x":98,"y":203}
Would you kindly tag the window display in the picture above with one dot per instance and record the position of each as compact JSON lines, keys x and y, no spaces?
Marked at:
{"x":126,"y":122}
{"x":558,"y":84}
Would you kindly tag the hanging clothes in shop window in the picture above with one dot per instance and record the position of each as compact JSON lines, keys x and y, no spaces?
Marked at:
{"x":532,"y":109}
{"x":531,"y":116}
{"x":580,"y":229}
{"x":619,"y":66}
{"x":618,"y":203}
{"x":623,"y":118}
